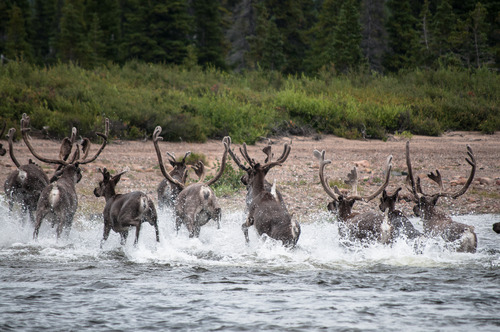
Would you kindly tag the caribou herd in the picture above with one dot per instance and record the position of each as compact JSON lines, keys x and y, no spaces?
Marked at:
{"x":55,"y":199}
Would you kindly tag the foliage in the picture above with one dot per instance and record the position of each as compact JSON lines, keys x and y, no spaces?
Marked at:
{"x":229,"y":182}
{"x":192,"y":104}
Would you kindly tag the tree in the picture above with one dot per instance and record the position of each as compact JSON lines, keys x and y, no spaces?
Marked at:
{"x":108,"y":16}
{"x":72,"y":41}
{"x":322,"y":49}
{"x":209,"y":38}
{"x":170,"y":26}
{"x":44,"y":15}
{"x":17,"y":45}
{"x":403,"y":36}
{"x":267,"y":50}
{"x":374,"y":34}
{"x":96,"y":43}
{"x":444,"y":23}
{"x":347,"y":37}
{"x":479,"y":28}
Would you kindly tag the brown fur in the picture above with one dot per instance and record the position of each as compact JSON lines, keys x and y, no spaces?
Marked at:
{"x":125,"y":210}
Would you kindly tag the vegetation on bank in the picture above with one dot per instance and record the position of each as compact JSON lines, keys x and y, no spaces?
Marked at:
{"x":194,"y":104}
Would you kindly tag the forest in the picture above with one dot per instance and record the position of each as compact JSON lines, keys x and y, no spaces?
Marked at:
{"x":205,"y":69}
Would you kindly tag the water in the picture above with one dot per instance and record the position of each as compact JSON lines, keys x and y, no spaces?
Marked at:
{"x":216,"y":282}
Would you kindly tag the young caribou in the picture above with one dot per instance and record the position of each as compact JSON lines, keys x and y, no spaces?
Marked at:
{"x":59,"y":201}
{"x":196,"y":203}
{"x":266,"y":211}
{"x":438,"y":223}
{"x":360,"y":226}
{"x":124,"y":210}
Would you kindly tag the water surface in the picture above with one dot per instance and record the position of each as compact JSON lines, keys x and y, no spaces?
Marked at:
{"x":217,"y":282}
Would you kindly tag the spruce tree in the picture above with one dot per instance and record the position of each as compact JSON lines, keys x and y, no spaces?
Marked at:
{"x":347,"y":37}
{"x":444,"y":23}
{"x":109,"y":15}
{"x":479,"y":28}
{"x":209,"y":38}
{"x":17,"y":46}
{"x":96,"y":43}
{"x":170,"y":26}
{"x":322,"y":49}
{"x":72,"y":40}
{"x":44,"y":16}
{"x":403,"y":37}
{"x":374,"y":34}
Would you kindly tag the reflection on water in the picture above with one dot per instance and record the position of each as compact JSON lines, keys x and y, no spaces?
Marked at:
{"x":218,"y":282}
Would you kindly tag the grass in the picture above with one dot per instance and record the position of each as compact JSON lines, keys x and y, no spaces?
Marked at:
{"x":192,"y":104}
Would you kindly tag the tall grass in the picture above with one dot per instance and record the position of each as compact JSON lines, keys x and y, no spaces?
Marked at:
{"x":194,"y":104}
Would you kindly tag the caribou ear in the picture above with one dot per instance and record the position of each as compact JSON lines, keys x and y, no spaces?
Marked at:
{"x":118,"y":176}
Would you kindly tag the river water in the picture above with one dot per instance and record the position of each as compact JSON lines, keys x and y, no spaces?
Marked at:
{"x":217,"y":282}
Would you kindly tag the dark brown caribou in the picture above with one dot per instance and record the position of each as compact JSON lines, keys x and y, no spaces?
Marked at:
{"x":435,"y":221}
{"x":24,"y":185}
{"x":358,"y":226}
{"x":124,"y":210}
{"x":196,"y":203}
{"x":266,"y":210}
{"x":168,"y":192}
{"x":401,"y":225}
{"x":59,"y":201}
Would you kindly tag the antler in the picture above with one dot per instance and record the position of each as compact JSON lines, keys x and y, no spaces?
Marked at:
{"x":324,"y":182}
{"x":86,"y":145}
{"x":10,"y":137}
{"x":379,"y":190}
{"x":199,"y":169}
{"x":156,"y":138}
{"x":437,"y":178}
{"x":415,"y":189}
{"x":268,"y":151}
{"x":25,"y":128}
{"x":270,"y":164}
{"x":235,"y":157}
{"x":226,"y":140}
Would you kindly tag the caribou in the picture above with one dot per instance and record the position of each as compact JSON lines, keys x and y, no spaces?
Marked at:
{"x":437,"y":222}
{"x":266,"y":209}
{"x":58,"y":201}
{"x":168,"y":192}
{"x":124,"y":210}
{"x":366,"y":226}
{"x":401,"y":225}
{"x":25,"y":184}
{"x":196,"y":203}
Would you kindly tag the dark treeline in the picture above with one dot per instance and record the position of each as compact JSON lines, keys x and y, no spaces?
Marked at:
{"x":294,"y":36}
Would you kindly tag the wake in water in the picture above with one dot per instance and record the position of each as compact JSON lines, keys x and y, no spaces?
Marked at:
{"x":319,"y":247}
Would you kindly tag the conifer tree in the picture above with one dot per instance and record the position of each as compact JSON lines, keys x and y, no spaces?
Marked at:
{"x":209,"y":39}
{"x":444,"y":23}
{"x":72,"y":41}
{"x":403,"y":36}
{"x":374,"y":34}
{"x":170,"y":26}
{"x":96,"y":43}
{"x":347,"y":37}
{"x":44,"y":16}
{"x":109,"y":15}
{"x":479,"y":28}
{"x":16,"y":44}
{"x":322,"y":49}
